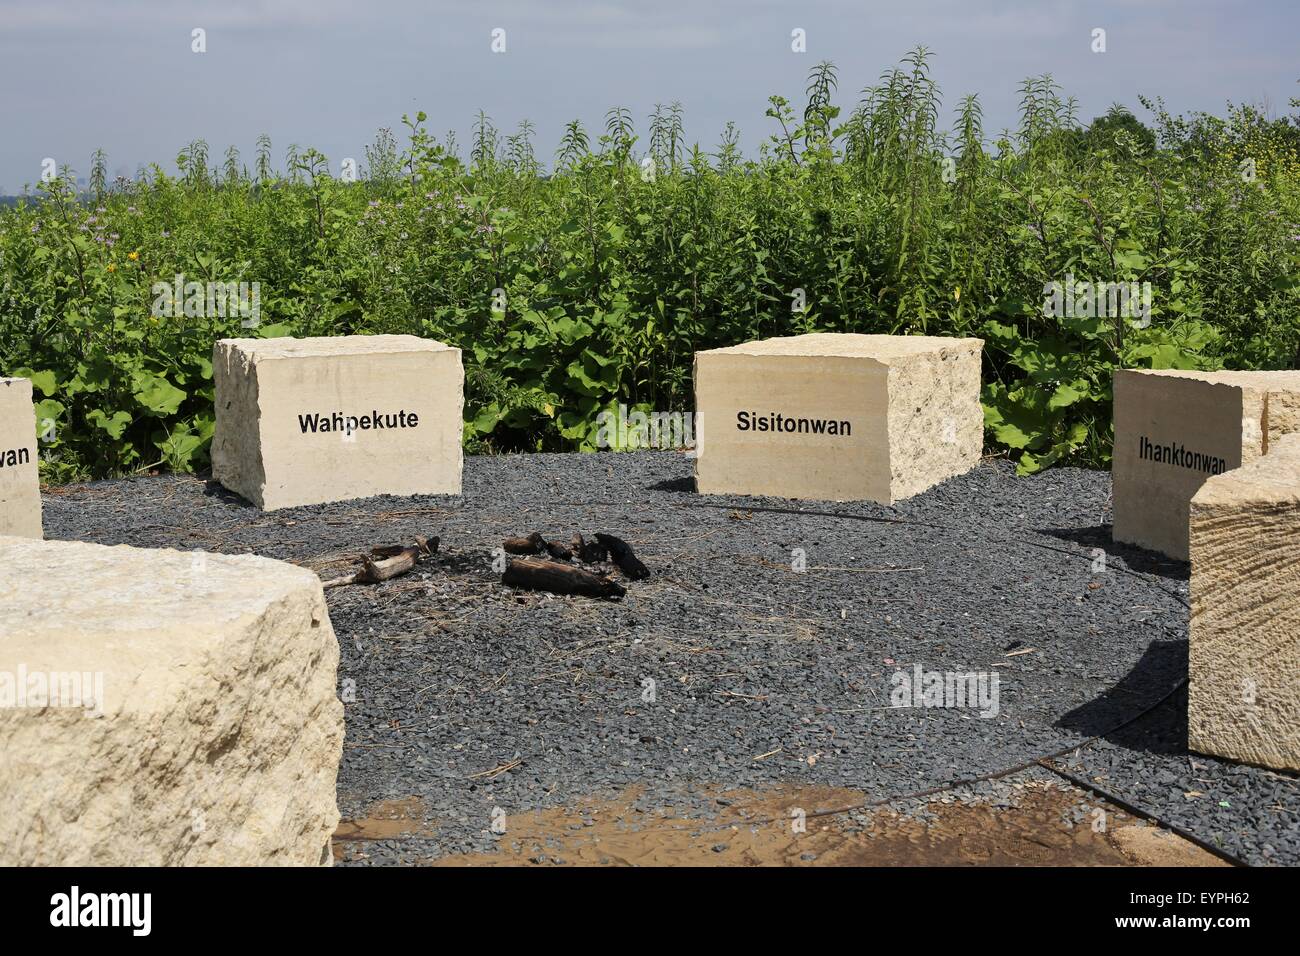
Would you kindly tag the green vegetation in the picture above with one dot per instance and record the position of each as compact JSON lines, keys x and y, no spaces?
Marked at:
{"x":573,"y":291}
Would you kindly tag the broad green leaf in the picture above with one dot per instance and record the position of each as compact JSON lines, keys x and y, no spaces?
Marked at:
{"x":1068,"y":394}
{"x":44,"y":382}
{"x":114,"y":424}
{"x":487,"y":419}
{"x":157,"y":394}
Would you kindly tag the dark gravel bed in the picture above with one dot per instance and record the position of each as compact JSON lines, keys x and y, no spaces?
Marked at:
{"x":471,"y":696}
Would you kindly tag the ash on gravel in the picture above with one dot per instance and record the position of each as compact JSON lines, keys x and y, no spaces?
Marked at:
{"x":729,"y":667}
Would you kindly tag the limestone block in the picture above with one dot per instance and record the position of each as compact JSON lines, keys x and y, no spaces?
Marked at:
{"x":837,"y":416}
{"x":160,"y":707}
{"x":305,"y":421}
{"x":1244,"y":658}
{"x":20,"y":486}
{"x":1175,"y":429}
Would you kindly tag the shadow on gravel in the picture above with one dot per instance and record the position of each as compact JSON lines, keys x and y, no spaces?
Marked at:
{"x":213,"y":489}
{"x":1136,"y":559}
{"x":679,"y":485}
{"x":1152,"y":677}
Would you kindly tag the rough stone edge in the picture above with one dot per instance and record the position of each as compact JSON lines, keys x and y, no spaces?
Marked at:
{"x":21,"y":382}
{"x":1271,"y":484}
{"x":248,"y":487}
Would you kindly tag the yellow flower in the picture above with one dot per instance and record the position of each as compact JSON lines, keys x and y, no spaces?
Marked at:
{"x":133,"y":256}
{"x":112,"y":267}
{"x":956,"y":294}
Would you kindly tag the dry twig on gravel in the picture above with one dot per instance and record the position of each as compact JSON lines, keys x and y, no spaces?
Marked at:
{"x":386,"y":562}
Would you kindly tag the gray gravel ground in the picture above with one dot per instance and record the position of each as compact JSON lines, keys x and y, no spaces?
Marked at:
{"x":457,"y":676}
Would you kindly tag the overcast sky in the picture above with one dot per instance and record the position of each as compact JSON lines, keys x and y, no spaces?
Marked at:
{"x":120,"y":74}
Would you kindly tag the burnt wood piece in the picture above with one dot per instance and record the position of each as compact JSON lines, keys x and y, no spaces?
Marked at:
{"x":590,"y":552}
{"x":539,"y":574}
{"x":560,"y":552}
{"x":533,"y":544}
{"x":621,"y":552}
